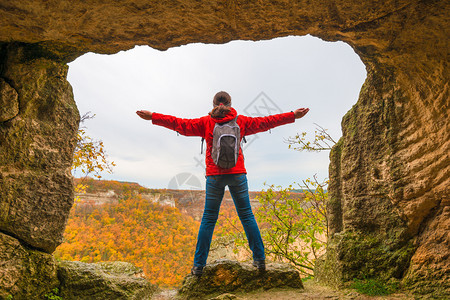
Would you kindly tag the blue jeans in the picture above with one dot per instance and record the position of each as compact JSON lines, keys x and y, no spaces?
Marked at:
{"x":215,"y":188}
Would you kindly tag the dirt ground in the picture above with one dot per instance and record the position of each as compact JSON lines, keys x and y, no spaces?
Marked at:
{"x":312,"y":291}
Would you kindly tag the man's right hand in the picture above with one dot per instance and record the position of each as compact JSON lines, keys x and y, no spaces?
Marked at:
{"x":144,"y":114}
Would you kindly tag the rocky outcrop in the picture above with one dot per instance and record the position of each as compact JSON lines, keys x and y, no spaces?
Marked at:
{"x":225,"y":276}
{"x":31,"y":274}
{"x":389,"y":174}
{"x":105,"y":280}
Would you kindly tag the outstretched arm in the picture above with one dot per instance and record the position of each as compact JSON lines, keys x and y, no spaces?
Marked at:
{"x":260,"y":124}
{"x":189,"y":127}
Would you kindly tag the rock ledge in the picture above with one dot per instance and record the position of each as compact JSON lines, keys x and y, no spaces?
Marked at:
{"x":224,"y":276}
{"x":104,"y":280}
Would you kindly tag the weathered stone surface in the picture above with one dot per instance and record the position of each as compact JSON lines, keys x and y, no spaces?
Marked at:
{"x":389,"y":174}
{"x":223,"y":276}
{"x":36,"y":189}
{"x":106,"y":280}
{"x":25,"y":273}
{"x":9,"y":103}
{"x":427,"y":274}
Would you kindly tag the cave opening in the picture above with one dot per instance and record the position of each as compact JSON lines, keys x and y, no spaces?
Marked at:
{"x":264,"y":77}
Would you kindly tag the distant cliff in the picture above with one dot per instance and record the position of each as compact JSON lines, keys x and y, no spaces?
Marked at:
{"x":189,"y":202}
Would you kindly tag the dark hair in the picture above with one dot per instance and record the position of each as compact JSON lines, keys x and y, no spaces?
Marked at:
{"x":222,"y":104}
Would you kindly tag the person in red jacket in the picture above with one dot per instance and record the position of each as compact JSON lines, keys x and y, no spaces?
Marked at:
{"x":217,"y":178}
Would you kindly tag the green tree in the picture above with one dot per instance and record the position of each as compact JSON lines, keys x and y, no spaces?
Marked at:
{"x":293,"y":223}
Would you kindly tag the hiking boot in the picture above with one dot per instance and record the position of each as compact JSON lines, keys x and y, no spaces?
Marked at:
{"x":197,"y":271}
{"x":260,"y":265}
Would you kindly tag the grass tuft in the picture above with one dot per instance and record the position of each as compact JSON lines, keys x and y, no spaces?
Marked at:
{"x":373,"y":287}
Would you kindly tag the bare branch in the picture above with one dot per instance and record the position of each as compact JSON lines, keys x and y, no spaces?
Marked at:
{"x":322,"y":141}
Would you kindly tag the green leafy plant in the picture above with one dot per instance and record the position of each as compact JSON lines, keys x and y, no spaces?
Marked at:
{"x":293,"y":224}
{"x":293,"y":221}
{"x":53,"y":295}
{"x":9,"y":297}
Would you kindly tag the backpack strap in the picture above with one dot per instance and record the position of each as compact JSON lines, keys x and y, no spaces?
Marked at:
{"x":201,"y":148}
{"x":243,"y":138}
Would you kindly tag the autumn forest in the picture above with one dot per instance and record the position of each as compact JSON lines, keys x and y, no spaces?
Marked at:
{"x":129,"y":227}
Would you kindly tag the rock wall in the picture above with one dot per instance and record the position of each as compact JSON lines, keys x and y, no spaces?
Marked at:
{"x":37,"y":142}
{"x":389,"y":174}
{"x":389,"y":183}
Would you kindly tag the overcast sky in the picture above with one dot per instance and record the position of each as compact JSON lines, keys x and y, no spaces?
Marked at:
{"x":262,"y":78}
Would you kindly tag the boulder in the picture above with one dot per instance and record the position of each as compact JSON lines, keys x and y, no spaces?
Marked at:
{"x":25,"y":273}
{"x":225,"y":276}
{"x":105,"y":280}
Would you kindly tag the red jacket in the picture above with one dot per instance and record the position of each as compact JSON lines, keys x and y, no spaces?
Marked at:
{"x":204,"y":127}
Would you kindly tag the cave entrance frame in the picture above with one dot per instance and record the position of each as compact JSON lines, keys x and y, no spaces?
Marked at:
{"x":389,"y":173}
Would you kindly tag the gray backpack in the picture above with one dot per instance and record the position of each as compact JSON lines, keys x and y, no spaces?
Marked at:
{"x":226,"y":144}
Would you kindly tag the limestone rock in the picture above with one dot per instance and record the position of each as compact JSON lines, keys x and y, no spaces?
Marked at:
{"x":9,"y":104}
{"x":427,"y":274}
{"x":36,"y":189}
{"x":223,"y":276}
{"x":66,"y":28}
{"x":389,"y":179}
{"x":25,"y":273}
{"x":106,"y":280}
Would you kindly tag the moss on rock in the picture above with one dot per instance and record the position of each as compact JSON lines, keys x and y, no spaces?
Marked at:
{"x":353,"y":255}
{"x":25,"y":273}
